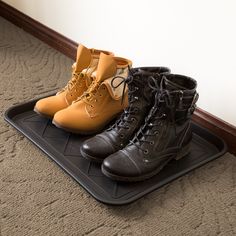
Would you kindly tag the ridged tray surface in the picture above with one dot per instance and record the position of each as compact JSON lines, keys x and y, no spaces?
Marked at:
{"x":64,"y":149}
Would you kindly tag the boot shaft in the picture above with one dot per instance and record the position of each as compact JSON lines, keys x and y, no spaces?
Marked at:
{"x":168,"y":122}
{"x":177,"y":97}
{"x":140,"y":83}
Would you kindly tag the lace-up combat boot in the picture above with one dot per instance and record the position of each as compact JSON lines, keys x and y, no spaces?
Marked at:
{"x":86,"y":63}
{"x":166,"y":134}
{"x":100,"y":103}
{"x":141,"y":97}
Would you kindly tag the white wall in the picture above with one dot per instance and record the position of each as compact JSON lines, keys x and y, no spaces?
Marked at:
{"x":195,"y":38}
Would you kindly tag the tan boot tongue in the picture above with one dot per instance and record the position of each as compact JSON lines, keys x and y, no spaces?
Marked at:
{"x":106,"y":67}
{"x":83,"y":58}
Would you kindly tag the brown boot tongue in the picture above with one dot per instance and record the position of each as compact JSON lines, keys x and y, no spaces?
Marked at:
{"x":83,"y":58}
{"x":106,"y":67}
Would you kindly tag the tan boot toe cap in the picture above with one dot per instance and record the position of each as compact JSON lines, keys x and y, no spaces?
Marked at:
{"x":50,"y":105}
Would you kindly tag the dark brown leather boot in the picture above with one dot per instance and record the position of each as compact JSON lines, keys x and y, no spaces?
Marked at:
{"x":141,"y":98}
{"x":166,"y":134}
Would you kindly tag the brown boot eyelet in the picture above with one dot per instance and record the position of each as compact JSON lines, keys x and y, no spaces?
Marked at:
{"x":152,"y":143}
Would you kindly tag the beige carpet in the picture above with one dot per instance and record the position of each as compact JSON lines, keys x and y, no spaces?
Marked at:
{"x":38,"y":198}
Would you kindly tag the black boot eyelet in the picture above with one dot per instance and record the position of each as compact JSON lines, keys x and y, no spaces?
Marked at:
{"x":152,"y":143}
{"x":156,"y":132}
{"x":122,"y":136}
{"x":145,"y":151}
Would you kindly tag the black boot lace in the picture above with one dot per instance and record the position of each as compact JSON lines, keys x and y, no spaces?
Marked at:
{"x":154,"y":120}
{"x":133,"y":84}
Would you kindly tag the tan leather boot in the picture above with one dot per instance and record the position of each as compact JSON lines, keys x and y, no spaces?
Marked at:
{"x":86,"y":63}
{"x":101,"y":102}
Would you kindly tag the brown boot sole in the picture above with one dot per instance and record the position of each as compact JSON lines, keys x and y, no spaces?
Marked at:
{"x":184,"y":152}
{"x":91,"y":158}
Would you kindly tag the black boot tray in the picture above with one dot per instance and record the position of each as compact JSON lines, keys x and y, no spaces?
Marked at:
{"x":64,"y":149}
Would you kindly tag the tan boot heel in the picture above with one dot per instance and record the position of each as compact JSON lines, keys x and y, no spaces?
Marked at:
{"x":184,"y":152}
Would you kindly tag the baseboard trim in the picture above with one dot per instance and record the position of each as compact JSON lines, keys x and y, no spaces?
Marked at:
{"x":68,"y":47}
{"x":40,"y":31}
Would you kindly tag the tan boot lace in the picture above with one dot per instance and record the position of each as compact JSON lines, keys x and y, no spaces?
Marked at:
{"x":76,"y":78}
{"x":90,"y":93}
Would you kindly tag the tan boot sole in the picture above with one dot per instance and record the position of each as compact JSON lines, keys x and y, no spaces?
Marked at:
{"x":76,"y":131}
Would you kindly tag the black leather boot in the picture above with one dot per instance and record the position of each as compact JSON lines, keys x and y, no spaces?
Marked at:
{"x":141,"y":99}
{"x":166,"y":134}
